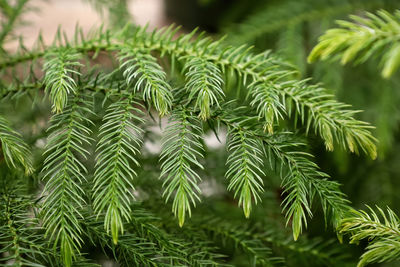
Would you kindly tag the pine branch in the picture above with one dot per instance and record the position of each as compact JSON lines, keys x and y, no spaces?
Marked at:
{"x":244,"y":168}
{"x":259,"y":68}
{"x":59,"y":68}
{"x":382,"y":231}
{"x":296,"y":184}
{"x":268,"y":104}
{"x":274,"y":94}
{"x":301,"y":181}
{"x":118,"y":148}
{"x":301,"y":178}
{"x":111,"y":222}
{"x":335,"y":203}
{"x":15,"y":151}
{"x":64,"y":173}
{"x":204,"y":84}
{"x":141,"y":69}
{"x":263,"y":68}
{"x":332,"y":120}
{"x":181,"y":150}
{"x":361,"y":39}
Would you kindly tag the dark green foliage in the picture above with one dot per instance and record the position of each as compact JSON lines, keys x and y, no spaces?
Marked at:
{"x":20,"y":238}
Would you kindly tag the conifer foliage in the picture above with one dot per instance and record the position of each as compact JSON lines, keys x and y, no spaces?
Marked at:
{"x":362,"y":38}
{"x":382,"y":229}
{"x":97,"y":186}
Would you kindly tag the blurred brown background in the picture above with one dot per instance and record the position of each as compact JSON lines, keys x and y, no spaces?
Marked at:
{"x":49,"y":14}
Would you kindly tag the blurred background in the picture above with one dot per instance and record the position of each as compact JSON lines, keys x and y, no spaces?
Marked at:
{"x":48,"y":15}
{"x":290,"y":28}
